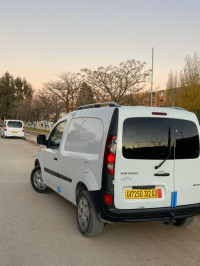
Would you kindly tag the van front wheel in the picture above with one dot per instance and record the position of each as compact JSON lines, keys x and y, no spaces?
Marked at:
{"x":88,"y":221}
{"x":184,"y":221}
{"x":37,"y":181}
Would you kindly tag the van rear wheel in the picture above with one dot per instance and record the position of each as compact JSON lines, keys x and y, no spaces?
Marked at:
{"x":88,"y":221}
{"x":184,"y":221}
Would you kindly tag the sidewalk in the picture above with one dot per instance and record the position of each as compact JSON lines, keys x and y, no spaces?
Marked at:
{"x":31,"y":137}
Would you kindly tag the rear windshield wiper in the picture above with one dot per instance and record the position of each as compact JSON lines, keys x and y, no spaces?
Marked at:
{"x":169,"y":149}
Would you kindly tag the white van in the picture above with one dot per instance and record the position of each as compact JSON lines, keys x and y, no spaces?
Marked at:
{"x":12,"y":128}
{"x":123,"y":164}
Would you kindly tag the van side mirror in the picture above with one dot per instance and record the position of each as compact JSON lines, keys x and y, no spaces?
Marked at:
{"x":41,"y":139}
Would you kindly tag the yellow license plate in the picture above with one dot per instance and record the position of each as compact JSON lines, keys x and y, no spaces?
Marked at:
{"x":14,"y":131}
{"x":143,"y":193}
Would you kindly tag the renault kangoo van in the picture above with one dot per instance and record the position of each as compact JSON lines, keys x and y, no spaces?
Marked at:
{"x":123,"y":164}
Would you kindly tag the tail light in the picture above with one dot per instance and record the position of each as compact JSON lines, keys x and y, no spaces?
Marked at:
{"x":158,"y":113}
{"x":109,"y":155}
{"x":108,"y":199}
{"x":23,"y":129}
{"x":5,"y":128}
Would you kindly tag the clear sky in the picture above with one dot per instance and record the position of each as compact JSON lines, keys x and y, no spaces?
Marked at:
{"x":42,"y":38}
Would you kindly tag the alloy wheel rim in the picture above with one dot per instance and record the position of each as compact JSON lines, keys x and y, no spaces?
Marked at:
{"x":38,"y":181}
{"x":83,"y":213}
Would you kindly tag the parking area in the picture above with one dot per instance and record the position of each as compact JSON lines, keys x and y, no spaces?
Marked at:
{"x":40,"y":229}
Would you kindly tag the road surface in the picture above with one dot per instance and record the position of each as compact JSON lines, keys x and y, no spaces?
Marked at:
{"x":37,"y":229}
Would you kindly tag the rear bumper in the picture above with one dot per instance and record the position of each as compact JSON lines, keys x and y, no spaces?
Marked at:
{"x":20,"y":135}
{"x":110,"y":213}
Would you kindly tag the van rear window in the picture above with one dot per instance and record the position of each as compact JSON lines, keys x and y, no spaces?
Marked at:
{"x":187,"y":140}
{"x":16,"y":124}
{"x":159,"y":138}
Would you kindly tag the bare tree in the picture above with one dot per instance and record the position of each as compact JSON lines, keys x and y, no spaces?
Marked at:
{"x":85,"y":95}
{"x":112,"y":83}
{"x":65,"y":90}
{"x":46,"y":107}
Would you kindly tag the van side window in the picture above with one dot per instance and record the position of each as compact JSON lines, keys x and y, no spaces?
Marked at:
{"x":85,"y":135}
{"x":56,"y":135}
{"x":187,"y":139}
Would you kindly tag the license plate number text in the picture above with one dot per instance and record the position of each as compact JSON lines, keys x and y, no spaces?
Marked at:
{"x":143,"y":193}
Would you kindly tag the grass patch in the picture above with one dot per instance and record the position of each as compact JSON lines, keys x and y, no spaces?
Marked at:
{"x":37,"y":130}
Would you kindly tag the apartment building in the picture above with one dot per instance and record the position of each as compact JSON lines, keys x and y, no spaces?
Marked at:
{"x":158,"y":98}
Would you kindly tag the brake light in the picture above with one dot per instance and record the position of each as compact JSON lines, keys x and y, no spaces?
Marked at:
{"x":5,"y":128}
{"x":109,"y":155}
{"x":108,"y":199}
{"x":158,"y":113}
{"x":23,"y":129}
{"x":111,"y":158}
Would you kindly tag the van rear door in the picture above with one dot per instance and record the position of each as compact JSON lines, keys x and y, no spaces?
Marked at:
{"x":14,"y":127}
{"x":187,"y":161}
{"x":144,"y":143}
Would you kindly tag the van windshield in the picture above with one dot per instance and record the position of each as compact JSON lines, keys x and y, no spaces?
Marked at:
{"x":149,"y":138}
{"x":16,"y":124}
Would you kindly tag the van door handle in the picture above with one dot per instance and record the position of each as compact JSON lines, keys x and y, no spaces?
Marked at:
{"x":55,"y":158}
{"x":162,"y":174}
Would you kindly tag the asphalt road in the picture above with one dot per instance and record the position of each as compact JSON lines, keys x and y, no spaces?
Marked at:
{"x":37,"y":229}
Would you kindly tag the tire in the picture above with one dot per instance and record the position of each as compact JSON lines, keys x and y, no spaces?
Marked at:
{"x":184,"y":221}
{"x":88,"y":221}
{"x":37,"y":181}
{"x":4,"y":137}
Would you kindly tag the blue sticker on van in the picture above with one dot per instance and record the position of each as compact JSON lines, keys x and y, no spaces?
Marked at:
{"x":173,"y":199}
{"x":59,"y":189}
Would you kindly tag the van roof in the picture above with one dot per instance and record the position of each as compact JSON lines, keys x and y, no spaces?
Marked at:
{"x":105,"y":113}
{"x":114,"y":104}
{"x":13,"y":120}
{"x":101,"y":111}
{"x":107,"y":108}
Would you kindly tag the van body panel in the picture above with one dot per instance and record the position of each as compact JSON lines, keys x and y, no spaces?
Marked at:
{"x":50,"y":167}
{"x":69,"y":165}
{"x":131,"y":173}
{"x":82,"y":150}
{"x":186,"y":170}
{"x":48,"y":156}
{"x":188,"y":191}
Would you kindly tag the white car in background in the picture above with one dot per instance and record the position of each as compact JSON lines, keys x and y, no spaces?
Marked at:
{"x":12,"y":128}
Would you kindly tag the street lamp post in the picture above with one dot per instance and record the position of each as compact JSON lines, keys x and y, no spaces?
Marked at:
{"x":152,"y":78}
